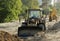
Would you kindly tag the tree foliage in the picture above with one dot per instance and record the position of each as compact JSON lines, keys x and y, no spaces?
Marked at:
{"x":30,"y":3}
{"x":9,"y":10}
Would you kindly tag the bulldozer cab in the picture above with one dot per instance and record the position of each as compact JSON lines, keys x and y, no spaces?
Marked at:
{"x":34,"y":13}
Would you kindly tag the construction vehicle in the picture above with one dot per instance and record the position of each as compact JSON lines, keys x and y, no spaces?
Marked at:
{"x":52,"y":15}
{"x":34,"y":23}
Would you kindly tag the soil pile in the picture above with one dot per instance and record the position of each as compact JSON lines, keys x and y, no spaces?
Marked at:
{"x":5,"y":36}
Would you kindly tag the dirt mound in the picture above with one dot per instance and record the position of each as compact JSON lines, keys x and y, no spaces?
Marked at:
{"x":5,"y":36}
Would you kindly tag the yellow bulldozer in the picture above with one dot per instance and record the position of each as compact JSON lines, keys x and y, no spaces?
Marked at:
{"x":53,"y":14}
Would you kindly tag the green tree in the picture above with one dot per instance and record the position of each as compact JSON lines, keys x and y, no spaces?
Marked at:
{"x":29,"y":4}
{"x":9,"y":10}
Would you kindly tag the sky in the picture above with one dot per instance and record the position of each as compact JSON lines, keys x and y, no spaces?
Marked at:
{"x":40,"y":2}
{"x":52,"y":2}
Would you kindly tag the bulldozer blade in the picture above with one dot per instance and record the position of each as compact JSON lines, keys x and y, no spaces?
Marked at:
{"x":28,"y":31}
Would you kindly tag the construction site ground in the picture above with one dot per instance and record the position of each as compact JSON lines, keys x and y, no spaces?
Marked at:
{"x":52,"y":33}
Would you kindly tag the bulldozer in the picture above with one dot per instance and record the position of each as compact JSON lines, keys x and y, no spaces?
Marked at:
{"x":35,"y":22}
{"x":52,"y":15}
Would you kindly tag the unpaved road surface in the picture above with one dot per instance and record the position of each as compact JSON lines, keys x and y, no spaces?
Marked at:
{"x":52,"y":33}
{"x":10,"y":27}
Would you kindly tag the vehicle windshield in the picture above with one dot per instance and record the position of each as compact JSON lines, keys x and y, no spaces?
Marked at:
{"x":35,"y":14}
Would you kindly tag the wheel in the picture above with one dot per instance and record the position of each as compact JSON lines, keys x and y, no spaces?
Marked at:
{"x":42,"y":26}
